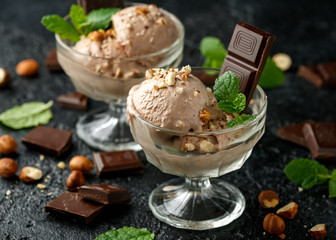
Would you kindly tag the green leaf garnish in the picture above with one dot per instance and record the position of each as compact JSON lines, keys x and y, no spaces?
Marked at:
{"x":82,"y":24}
{"x":226,"y":87}
{"x":309,"y":173}
{"x":240,"y":120}
{"x":58,"y":25}
{"x":27,"y":115}
{"x":214,"y":52}
{"x":127,"y":233}
{"x":271,"y":76}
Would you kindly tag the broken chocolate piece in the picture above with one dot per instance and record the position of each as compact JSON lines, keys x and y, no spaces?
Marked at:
{"x":48,"y":140}
{"x":293,"y":133}
{"x":247,"y":54}
{"x":320,"y":138}
{"x":70,"y":205}
{"x":104,"y":193}
{"x":73,"y":100}
{"x":52,"y":63}
{"x":117,"y":162}
{"x":322,"y":75}
{"x":89,"y":5}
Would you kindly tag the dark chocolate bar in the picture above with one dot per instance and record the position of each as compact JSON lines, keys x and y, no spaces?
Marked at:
{"x":73,"y":100}
{"x":293,"y":133}
{"x":104,"y":193}
{"x":48,"y":140}
{"x":52,"y":63}
{"x":320,"y":138}
{"x":69,"y":205}
{"x":89,"y":5}
{"x":322,"y":75}
{"x":247,"y":54}
{"x":117,"y":162}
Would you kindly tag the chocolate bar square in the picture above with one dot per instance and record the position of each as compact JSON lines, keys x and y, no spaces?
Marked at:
{"x":69,"y":205}
{"x":89,"y":5}
{"x":73,"y":100}
{"x":104,"y":193}
{"x":322,"y":75}
{"x":48,"y":140}
{"x":320,"y":138}
{"x":52,"y":63}
{"x":293,"y":133}
{"x":107,"y":163}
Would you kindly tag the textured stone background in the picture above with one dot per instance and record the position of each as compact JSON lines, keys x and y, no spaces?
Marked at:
{"x":304,"y":29}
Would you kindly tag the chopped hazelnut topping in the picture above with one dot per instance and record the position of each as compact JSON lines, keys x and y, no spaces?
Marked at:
{"x":110,"y":33}
{"x":170,"y":78}
{"x":179,"y":90}
{"x":189,"y":147}
{"x":179,"y":124}
{"x":156,"y":87}
{"x":186,"y":69}
{"x":149,"y":74}
{"x":61,"y":165}
{"x":141,"y":10}
{"x":129,"y":26}
{"x":129,"y":74}
{"x":96,"y":36}
{"x":209,"y":90}
{"x":207,"y":146}
{"x":162,"y":85}
{"x":161,"y":21}
{"x":130,"y":15}
{"x":118,"y":72}
{"x":196,"y":93}
{"x":204,"y":116}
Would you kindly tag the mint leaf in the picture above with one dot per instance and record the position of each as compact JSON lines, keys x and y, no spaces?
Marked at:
{"x":27,"y":115}
{"x":235,"y":106}
{"x":240,"y":120}
{"x":78,"y":18}
{"x":127,"y":233}
{"x":58,"y":25}
{"x":271,"y":76}
{"x":306,"y":172}
{"x":226,"y":87}
{"x":100,"y":18}
{"x":213,"y":50}
{"x":332,"y":184}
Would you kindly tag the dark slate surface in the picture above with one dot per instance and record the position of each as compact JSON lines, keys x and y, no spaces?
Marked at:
{"x":304,"y":29}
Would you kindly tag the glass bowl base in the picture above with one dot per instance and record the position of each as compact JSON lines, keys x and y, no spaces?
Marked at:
{"x":106,"y":130}
{"x":197,"y":204}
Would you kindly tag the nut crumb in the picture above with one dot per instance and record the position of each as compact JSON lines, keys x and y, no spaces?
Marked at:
{"x":50,"y":193}
{"x":179,"y":90}
{"x":179,"y":124}
{"x":170,"y":78}
{"x":41,"y":186}
{"x":161,"y":21}
{"x":207,"y":146}
{"x":61,"y":165}
{"x":196,"y":93}
{"x":189,"y":147}
{"x":8,"y":192}
{"x":42,"y":157}
{"x":300,"y":189}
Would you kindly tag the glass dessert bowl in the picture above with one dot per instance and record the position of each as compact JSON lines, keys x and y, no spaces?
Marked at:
{"x":196,"y":200}
{"x":109,"y":80}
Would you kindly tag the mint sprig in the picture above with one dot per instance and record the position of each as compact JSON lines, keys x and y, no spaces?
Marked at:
{"x":226,"y":91}
{"x":127,"y":233}
{"x":27,"y":115}
{"x":309,"y":173}
{"x":81,"y":24}
{"x":214,"y":53}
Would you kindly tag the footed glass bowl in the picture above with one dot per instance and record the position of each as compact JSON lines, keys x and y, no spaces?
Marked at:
{"x":197,"y":200}
{"x":107,"y":129}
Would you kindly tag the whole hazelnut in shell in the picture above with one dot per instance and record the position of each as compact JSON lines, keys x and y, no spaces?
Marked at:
{"x":80,"y":163}
{"x":8,"y":167}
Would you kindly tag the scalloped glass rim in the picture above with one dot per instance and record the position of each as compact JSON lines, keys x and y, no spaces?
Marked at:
{"x":180,"y":38}
{"x":260,"y":114}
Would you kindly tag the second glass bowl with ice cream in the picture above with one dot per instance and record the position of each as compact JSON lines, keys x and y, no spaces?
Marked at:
{"x":105,"y":65}
{"x":175,"y":118}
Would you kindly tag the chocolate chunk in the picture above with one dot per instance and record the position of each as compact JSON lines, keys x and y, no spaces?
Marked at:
{"x":322,"y":75}
{"x":104,"y":193}
{"x":320,"y":138}
{"x":48,"y":140}
{"x":73,"y":100}
{"x":89,"y":5}
{"x":247,"y":54}
{"x":52,"y":63}
{"x":293,"y":133}
{"x":108,"y":163}
{"x":69,"y":205}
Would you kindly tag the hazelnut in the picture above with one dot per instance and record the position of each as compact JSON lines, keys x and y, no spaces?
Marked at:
{"x":318,"y":232}
{"x":141,"y":10}
{"x":30,"y":174}
{"x":204,"y":116}
{"x":110,"y":33}
{"x":207,"y":146}
{"x":7,"y":144}
{"x":282,"y":61}
{"x":288,"y":211}
{"x":8,"y":167}
{"x":274,"y":224}
{"x":189,"y":147}
{"x":268,"y":199}
{"x":80,"y":163}
{"x":4,"y":77}
{"x":27,"y":68}
{"x":170,"y":78}
{"x":75,"y":180}
{"x":96,"y":36}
